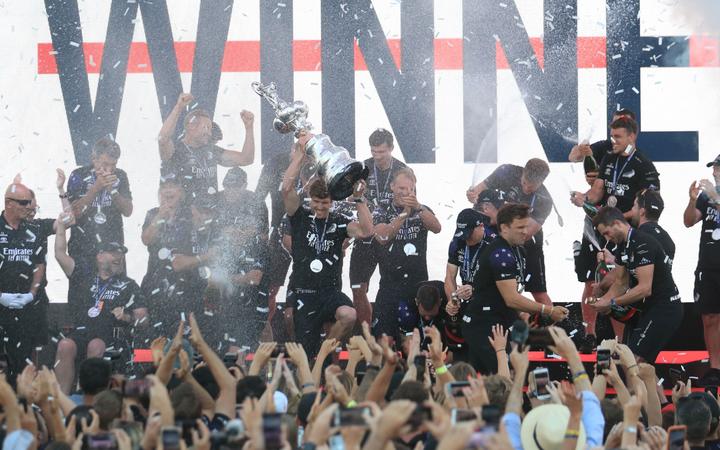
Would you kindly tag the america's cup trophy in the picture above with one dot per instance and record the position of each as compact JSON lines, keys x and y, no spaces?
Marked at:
{"x":333,"y":163}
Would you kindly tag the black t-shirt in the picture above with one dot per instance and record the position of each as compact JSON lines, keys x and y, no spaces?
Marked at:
{"x":378,"y":181}
{"x":195,"y":168}
{"x":633,"y":175}
{"x":709,"y":256}
{"x":247,"y":211}
{"x":640,"y":250}
{"x":317,"y":249}
{"x":172,"y":237}
{"x":450,"y":330}
{"x":87,"y":232}
{"x":241,"y":257}
{"x":96,"y":298}
{"x":499,"y":261}
{"x":465,"y":257}
{"x":21,"y":251}
{"x":655,"y":230}
{"x":403,"y":260}
{"x":269,"y":183}
{"x":507,"y":178}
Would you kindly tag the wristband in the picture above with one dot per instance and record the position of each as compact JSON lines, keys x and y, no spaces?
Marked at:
{"x":307,"y":385}
{"x":632,"y":430}
{"x":359,"y":200}
{"x":441,"y":370}
{"x":572,"y":433}
{"x":579,"y":375}
{"x":351,"y":404}
{"x":542,"y":310}
{"x":63,"y":196}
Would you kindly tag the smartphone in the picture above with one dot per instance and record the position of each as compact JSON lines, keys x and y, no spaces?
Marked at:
{"x":351,"y":417}
{"x":171,"y":437}
{"x":712,"y":390}
{"x":272,"y":431}
{"x":105,"y":441}
{"x":539,"y":337}
{"x":138,"y":388}
{"x":461,"y":415}
{"x":491,"y":415}
{"x":455,"y":388}
{"x":603,"y":360}
{"x":279,"y":348}
{"x":678,"y":375}
{"x":229,"y":359}
{"x":676,"y":437}
{"x":186,"y":427}
{"x":519,"y":334}
{"x":419,"y":416}
{"x":420,"y":363}
{"x":542,"y":378}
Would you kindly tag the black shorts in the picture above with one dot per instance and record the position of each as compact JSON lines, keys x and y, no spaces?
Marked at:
{"x":385,"y":310}
{"x":535,"y":268}
{"x":17,"y":331}
{"x":363,"y":261}
{"x":649,"y":331}
{"x":278,"y":261}
{"x":314,"y":308}
{"x":36,"y":314}
{"x":707,"y":291}
{"x":585,"y":255}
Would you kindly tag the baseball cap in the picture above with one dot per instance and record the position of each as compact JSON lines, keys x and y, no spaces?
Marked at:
{"x":111,"y":247}
{"x":494,"y":196}
{"x":714,"y":162}
{"x":651,"y":200}
{"x":468,"y":220}
{"x":235,"y":177}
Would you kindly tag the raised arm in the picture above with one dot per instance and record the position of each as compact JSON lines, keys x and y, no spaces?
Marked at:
{"x":291,"y":200}
{"x":692,"y":214}
{"x":166,"y":136}
{"x":245,"y":157}
{"x":364,"y":226}
{"x":67,"y":263}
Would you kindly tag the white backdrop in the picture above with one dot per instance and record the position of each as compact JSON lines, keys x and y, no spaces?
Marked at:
{"x":36,"y":140}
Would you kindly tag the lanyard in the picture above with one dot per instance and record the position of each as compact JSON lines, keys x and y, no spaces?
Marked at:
{"x":98,"y":291}
{"x":319,"y":239}
{"x":377,"y":180}
{"x":617,"y":175}
{"x":104,"y":195}
{"x":469,"y":263}
{"x":532,"y":201}
{"x":520,"y":263}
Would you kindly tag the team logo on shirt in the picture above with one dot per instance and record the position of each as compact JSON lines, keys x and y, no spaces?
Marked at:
{"x":3,"y":238}
{"x":17,"y":254}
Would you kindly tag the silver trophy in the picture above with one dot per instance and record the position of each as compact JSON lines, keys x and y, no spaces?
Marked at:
{"x":333,"y":163}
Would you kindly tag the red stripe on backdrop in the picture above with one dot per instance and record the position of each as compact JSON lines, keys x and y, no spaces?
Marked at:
{"x":244,"y":56}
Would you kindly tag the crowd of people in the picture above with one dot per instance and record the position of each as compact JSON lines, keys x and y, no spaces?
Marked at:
{"x":432,"y":363}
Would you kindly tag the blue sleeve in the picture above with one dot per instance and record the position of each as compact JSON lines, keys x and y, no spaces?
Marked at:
{"x":513,"y":424}
{"x":452,"y":253}
{"x":592,"y":419}
{"x":75,"y":186}
{"x":503,"y":264}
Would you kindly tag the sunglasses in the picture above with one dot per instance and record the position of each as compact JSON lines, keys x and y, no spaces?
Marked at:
{"x":19,"y":202}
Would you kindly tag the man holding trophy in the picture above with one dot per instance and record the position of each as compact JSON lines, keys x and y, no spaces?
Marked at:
{"x":317,"y":233}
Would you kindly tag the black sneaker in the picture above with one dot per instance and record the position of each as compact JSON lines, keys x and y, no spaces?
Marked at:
{"x":588,"y":344}
{"x":711,"y":378}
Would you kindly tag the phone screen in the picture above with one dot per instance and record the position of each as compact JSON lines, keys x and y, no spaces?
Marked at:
{"x":676,"y":438}
{"x":272,"y":431}
{"x":603,"y":360}
{"x":542,"y":378}
{"x":351,"y":417}
{"x":171,"y":437}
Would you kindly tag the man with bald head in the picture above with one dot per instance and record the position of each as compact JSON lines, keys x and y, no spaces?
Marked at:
{"x":22,"y":267}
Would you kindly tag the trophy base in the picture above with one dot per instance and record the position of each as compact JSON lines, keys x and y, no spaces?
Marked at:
{"x":341,"y":185}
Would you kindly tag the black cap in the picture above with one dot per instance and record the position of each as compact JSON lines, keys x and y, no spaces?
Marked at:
{"x":468,"y":220}
{"x":235,"y":177}
{"x":714,"y":162}
{"x":111,"y":247}
{"x":494,"y":196}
